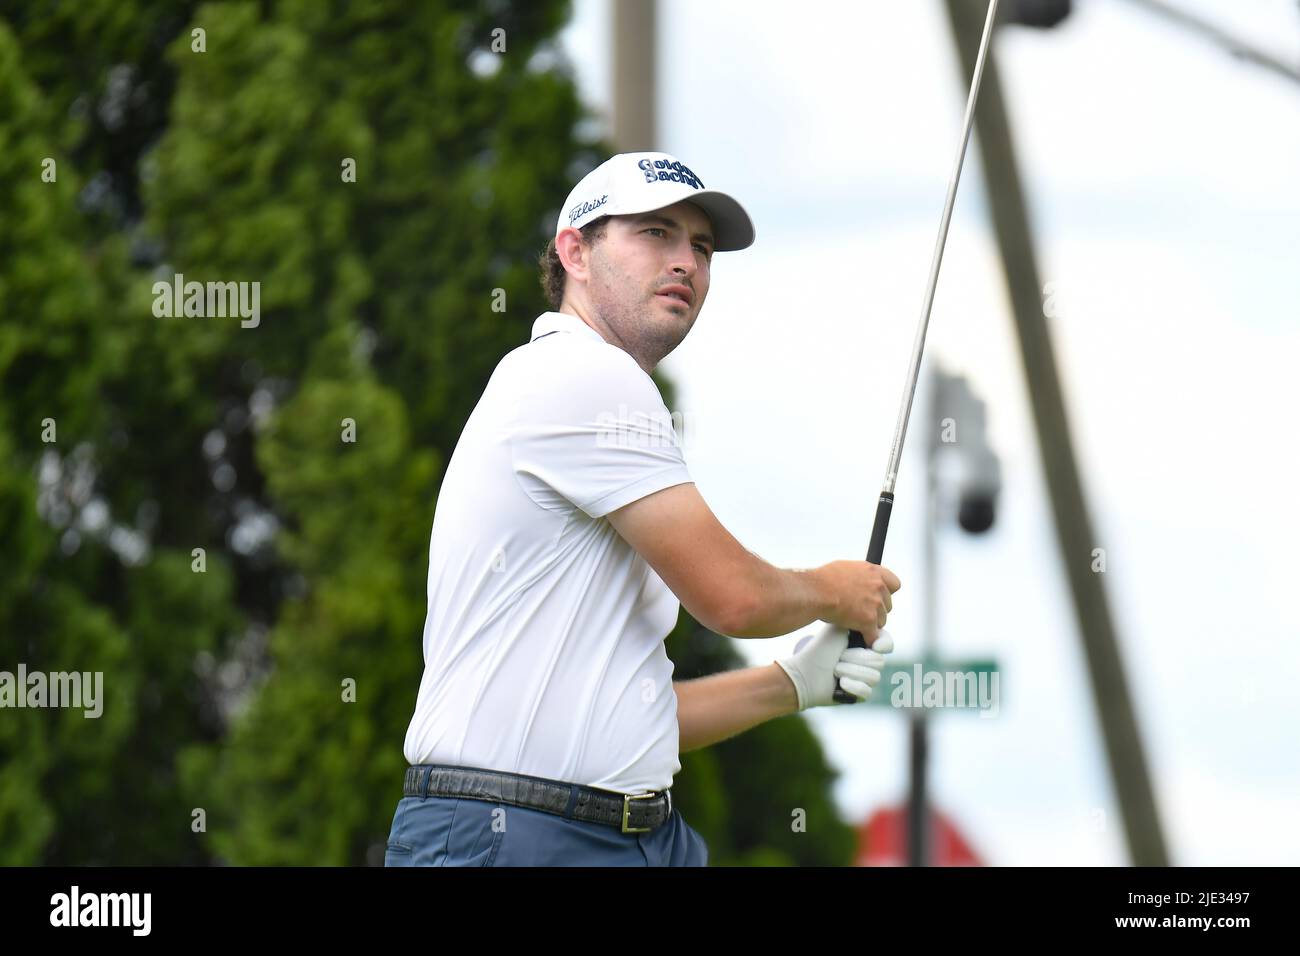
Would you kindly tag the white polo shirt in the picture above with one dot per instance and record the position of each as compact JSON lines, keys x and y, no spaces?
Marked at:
{"x":544,"y":639}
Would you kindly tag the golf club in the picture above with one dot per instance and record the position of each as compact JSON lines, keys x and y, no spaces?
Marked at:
{"x":876,"y":546}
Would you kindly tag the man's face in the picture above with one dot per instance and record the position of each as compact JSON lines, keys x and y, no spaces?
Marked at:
{"x":650,"y":275}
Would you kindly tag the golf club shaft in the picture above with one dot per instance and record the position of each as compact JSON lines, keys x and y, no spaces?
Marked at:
{"x":876,"y":547}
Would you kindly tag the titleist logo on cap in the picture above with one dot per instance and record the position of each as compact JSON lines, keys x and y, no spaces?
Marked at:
{"x":660,"y":170}
{"x":583,"y":208}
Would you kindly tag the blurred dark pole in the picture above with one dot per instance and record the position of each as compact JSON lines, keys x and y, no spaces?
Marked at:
{"x":918,"y":813}
{"x":1074,"y":529}
{"x":918,"y":808}
{"x":634,"y":75}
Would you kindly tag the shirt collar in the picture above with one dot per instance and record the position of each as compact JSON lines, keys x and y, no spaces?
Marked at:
{"x":562,"y":322}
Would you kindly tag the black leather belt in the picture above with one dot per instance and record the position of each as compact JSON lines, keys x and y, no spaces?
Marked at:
{"x":629,"y":812}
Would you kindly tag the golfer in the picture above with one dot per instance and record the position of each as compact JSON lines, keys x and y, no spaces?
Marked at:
{"x":567,"y":535}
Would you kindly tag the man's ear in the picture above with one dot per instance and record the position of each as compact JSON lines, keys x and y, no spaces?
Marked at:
{"x":573,"y":254}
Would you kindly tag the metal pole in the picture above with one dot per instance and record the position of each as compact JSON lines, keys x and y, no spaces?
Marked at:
{"x":634,"y":75}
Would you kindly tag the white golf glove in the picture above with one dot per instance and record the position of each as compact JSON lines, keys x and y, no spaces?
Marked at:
{"x":822,"y":657}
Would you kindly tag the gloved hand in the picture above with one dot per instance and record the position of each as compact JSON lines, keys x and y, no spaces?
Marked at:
{"x":823,"y":656}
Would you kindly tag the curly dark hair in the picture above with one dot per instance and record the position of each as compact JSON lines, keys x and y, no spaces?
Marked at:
{"x":553,"y":275}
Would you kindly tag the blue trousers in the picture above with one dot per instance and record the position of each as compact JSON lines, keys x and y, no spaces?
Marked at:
{"x":452,"y":831}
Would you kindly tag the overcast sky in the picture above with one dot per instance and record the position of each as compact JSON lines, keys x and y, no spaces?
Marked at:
{"x":1161,"y":177}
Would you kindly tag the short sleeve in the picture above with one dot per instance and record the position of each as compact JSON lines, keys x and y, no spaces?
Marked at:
{"x":594,"y":434}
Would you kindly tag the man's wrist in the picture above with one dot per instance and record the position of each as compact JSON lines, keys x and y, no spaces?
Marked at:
{"x":786,"y":694}
{"x":821,"y":597}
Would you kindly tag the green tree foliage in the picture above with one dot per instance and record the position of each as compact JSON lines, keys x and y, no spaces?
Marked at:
{"x":93,"y":581}
{"x":269,"y":680}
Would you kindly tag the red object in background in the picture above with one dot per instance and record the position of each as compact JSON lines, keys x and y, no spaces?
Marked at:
{"x":882,"y":841}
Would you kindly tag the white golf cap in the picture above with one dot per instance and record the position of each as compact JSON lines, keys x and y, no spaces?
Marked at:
{"x":630,"y":183}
